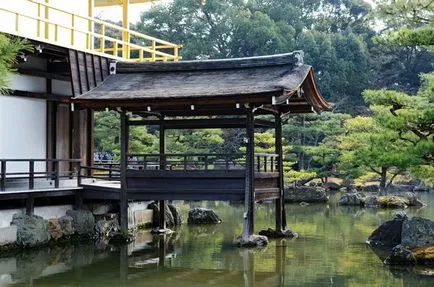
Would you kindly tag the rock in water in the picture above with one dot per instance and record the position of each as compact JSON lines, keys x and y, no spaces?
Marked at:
{"x":106,"y":229}
{"x":176,"y":214}
{"x":252,"y":241}
{"x":83,"y":221}
{"x":31,"y":230}
{"x":170,"y":221}
{"x":390,"y":201}
{"x":372,"y":201}
{"x":400,"y":256}
{"x":424,"y":255}
{"x":60,"y":227}
{"x":305,"y":194}
{"x":417,"y":232}
{"x":352,"y":198}
{"x":387,"y":235}
{"x":271,"y":233}
{"x":203,"y":216}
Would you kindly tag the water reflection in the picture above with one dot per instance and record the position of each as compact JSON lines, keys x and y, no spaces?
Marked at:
{"x":331,"y":251}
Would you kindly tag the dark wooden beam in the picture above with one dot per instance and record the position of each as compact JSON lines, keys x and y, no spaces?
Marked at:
{"x":44,"y":96}
{"x":123,"y":198}
{"x":249,"y":197}
{"x":44,"y":74}
{"x":163,"y":203}
{"x":279,"y":209}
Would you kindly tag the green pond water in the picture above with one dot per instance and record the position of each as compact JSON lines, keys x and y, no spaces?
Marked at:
{"x":331,"y":251}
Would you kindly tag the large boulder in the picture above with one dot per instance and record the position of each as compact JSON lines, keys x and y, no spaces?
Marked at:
{"x":352,"y":198}
{"x":83,"y":221}
{"x":271,"y":233}
{"x":170,"y":221}
{"x":176,"y":214}
{"x":412,"y":199}
{"x":391,"y":201}
{"x":60,"y":227}
{"x":252,"y":241}
{"x":106,"y":229}
{"x":400,"y":256}
{"x":203,"y":216}
{"x":417,"y":232}
{"x":332,"y":185}
{"x":305,"y":194}
{"x":388,"y":234}
{"x":31,"y":230}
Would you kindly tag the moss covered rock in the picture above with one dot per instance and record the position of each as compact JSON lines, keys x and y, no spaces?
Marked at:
{"x":424,"y":255}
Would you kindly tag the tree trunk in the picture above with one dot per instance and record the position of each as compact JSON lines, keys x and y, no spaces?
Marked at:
{"x":383,"y":179}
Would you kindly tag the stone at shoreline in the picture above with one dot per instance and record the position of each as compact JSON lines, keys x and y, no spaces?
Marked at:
{"x":371,"y":201}
{"x":332,"y":185}
{"x":252,"y":241}
{"x":386,"y":201}
{"x":424,"y":255}
{"x":176,"y":214}
{"x":106,"y":229}
{"x":305,"y":194}
{"x":203,"y":216}
{"x":388,"y":234}
{"x":83,"y":221}
{"x":417,"y":232}
{"x":170,"y":221}
{"x":271,"y":233}
{"x":31,"y":230}
{"x":60,"y":227}
{"x":412,"y":198}
{"x":352,"y":198}
{"x":400,"y":188}
{"x":370,"y":188}
{"x":400,"y":256}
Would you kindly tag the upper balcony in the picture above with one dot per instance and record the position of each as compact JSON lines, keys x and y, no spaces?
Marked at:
{"x":62,"y":23}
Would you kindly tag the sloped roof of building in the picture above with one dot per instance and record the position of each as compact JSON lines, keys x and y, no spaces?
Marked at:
{"x":280,"y":81}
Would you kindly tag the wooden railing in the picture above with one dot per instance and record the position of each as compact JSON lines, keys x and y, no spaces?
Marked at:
{"x":266,"y":162}
{"x":30,"y":174}
{"x":124,"y":46}
{"x":175,"y":161}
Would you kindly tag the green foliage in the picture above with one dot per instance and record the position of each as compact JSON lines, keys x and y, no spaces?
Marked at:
{"x":411,"y":23}
{"x":194,"y":141}
{"x":107,"y":135}
{"x":9,"y":48}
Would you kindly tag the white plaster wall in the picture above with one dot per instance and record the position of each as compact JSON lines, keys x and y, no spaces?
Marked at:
{"x":23,"y":131}
{"x":61,"y":88}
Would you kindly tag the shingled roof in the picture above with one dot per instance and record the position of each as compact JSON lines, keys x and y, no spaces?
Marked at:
{"x":277,"y":80}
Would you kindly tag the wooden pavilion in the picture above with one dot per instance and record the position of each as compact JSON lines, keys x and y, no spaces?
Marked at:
{"x":226,"y":93}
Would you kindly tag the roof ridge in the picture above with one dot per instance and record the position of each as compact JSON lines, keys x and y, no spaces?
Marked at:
{"x":294,"y":58}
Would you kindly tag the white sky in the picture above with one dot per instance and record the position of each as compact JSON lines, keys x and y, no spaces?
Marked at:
{"x":114,"y":13}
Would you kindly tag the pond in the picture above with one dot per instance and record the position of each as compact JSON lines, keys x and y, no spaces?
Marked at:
{"x":331,"y":251}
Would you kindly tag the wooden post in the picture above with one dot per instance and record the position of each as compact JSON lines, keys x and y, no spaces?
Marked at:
{"x":163,"y":203}
{"x":3,"y":176}
{"x":123,"y":169}
{"x":280,"y":211}
{"x":249,"y":197}
{"x":31,"y":174}
{"x":90,"y":139}
{"x":30,"y":204}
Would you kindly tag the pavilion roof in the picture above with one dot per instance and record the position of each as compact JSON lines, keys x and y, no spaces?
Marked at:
{"x":281,"y":82}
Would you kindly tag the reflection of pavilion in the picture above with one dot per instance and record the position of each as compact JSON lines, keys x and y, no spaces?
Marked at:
{"x":152,"y":266}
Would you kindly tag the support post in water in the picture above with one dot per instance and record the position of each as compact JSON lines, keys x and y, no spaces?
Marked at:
{"x":279,"y":209}
{"x":162,"y":203}
{"x":249,"y":197}
{"x":123,"y":168}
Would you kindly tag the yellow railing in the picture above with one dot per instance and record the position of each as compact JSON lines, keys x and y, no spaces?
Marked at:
{"x":132,"y":46}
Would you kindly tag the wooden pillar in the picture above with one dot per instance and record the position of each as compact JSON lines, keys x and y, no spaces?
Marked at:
{"x":30,"y":204}
{"x":249,"y":196}
{"x":280,"y":208}
{"x":163,"y":203}
{"x":123,"y":168}
{"x":89,"y":138}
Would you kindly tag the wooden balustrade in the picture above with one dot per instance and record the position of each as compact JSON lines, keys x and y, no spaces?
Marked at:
{"x":30,"y":174}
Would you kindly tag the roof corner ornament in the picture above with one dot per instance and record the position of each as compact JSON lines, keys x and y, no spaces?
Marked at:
{"x":299,"y":55}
